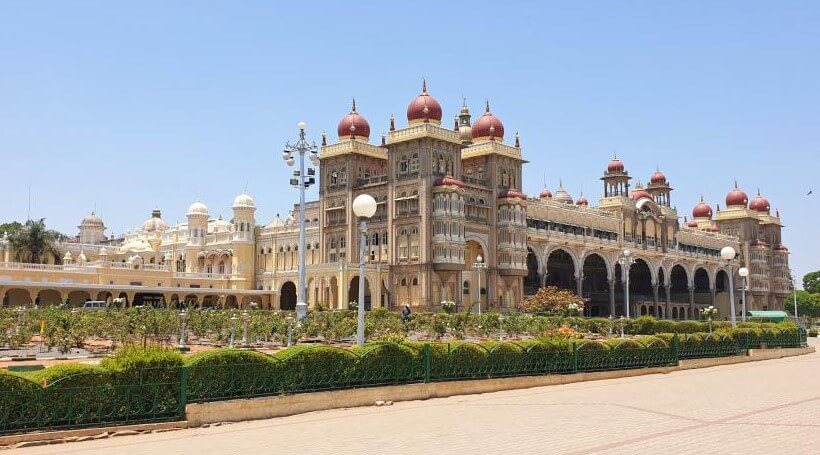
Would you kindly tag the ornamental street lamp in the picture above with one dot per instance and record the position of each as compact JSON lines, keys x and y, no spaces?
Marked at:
{"x":364,"y":207}
{"x":233,"y":331}
{"x":479,"y":266}
{"x":626,"y":260}
{"x":728,"y":254}
{"x":794,"y":294}
{"x":245,"y":317}
{"x":744,"y":273}
{"x":303,"y":182}
{"x":183,"y":319}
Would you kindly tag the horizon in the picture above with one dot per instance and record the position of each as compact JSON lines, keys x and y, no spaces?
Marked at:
{"x":124,"y":109}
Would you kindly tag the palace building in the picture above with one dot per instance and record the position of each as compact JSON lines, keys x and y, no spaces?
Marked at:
{"x":445,"y":197}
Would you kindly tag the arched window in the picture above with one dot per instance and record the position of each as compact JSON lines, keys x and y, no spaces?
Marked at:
{"x":414,"y":163}
{"x":404,"y":165}
{"x":342,"y":242}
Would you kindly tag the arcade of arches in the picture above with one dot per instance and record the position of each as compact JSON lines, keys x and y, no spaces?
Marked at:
{"x":673,"y":291}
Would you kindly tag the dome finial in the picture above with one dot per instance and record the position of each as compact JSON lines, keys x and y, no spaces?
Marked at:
{"x":758,"y":191}
{"x":392,"y":122}
{"x":487,"y":106}
{"x":463,"y":101}
{"x":517,"y":140}
{"x":384,"y":139}
{"x":735,"y":183}
{"x":353,"y":108}
{"x":324,"y":138}
{"x":423,"y":86}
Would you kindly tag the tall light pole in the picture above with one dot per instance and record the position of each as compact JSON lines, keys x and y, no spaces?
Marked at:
{"x":794,"y":294}
{"x":364,"y":207}
{"x":303,"y":182}
{"x":479,"y":266}
{"x":728,"y":254}
{"x":744,"y":273}
{"x":626,"y":260}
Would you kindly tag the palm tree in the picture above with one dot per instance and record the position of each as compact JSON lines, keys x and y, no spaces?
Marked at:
{"x":34,"y":242}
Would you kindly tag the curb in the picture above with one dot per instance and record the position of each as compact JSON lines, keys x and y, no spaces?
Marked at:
{"x":16,"y":441}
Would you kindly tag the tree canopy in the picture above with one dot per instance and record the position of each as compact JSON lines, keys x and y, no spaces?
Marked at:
{"x":811,"y":282}
{"x":34,"y":242}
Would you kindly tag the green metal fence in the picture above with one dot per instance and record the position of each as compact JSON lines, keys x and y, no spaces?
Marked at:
{"x":90,"y":400}
{"x":101,"y":398}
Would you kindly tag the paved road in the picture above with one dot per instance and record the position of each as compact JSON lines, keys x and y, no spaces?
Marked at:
{"x":768,"y":407}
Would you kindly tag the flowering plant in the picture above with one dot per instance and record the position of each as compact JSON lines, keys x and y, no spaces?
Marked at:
{"x":448,"y":306}
{"x":709,"y":312}
{"x":552,"y":300}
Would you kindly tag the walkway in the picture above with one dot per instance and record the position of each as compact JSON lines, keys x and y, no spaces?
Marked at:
{"x":769,"y":407}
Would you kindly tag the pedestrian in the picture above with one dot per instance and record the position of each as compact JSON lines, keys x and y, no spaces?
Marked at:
{"x":405,"y":313}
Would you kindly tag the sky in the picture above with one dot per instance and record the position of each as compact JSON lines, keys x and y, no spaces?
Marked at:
{"x":126,"y":106}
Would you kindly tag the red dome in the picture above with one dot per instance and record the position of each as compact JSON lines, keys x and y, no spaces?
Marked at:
{"x":546,"y":194}
{"x":658,"y":178}
{"x":736,"y":198}
{"x":448,"y":181}
{"x":353,"y":124}
{"x":639,"y":193}
{"x":702,"y":210}
{"x":488,"y":126}
{"x":582,"y":201}
{"x":760,"y":204}
{"x":424,"y":108}
{"x":512,"y":193}
{"x":782,"y":248}
{"x":616,"y":165}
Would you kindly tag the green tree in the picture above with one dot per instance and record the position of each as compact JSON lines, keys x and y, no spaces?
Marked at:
{"x":808,"y":304}
{"x":10,"y":228}
{"x":34,"y":242}
{"x":811,"y":282}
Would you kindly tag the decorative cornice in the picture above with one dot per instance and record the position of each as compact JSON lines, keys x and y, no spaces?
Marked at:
{"x":423,"y":130}
{"x":353,"y":146}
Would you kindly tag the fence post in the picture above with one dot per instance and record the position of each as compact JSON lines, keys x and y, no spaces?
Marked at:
{"x":676,"y":348}
{"x":574,"y":357}
{"x":426,"y":353}
{"x":183,"y":391}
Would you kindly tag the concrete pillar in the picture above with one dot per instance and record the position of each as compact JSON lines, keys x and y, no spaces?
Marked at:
{"x":655,"y":297}
{"x":667,"y":313}
{"x":64,"y":295}
{"x":167,"y":297}
{"x":691,"y":311}
{"x":130,"y":298}
{"x":612,"y":297}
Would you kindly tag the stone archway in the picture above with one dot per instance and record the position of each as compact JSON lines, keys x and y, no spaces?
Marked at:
{"x":353,"y":292}
{"x":47,"y":297}
{"x":17,"y":297}
{"x":561,"y":270}
{"x":287,"y":296}
{"x":78,"y":298}
{"x":532,"y":282}
{"x":595,"y":286}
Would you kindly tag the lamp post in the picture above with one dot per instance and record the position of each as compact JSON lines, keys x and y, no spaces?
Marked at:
{"x":289,"y":319}
{"x":626,"y":260}
{"x":794,"y":294}
{"x":364,"y":207}
{"x":744,"y":273}
{"x":479,"y":266}
{"x":233,"y":331}
{"x":303,"y":182}
{"x":245,"y":317}
{"x":500,"y":328}
{"x":728,"y":254}
{"x":183,"y":322}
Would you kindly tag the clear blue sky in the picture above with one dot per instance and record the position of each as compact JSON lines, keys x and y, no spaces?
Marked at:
{"x":127,"y":106}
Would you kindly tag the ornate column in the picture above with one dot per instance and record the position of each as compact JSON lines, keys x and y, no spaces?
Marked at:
{"x":655,"y":297}
{"x":668,"y":312}
{"x":611,"y":283}
{"x":691,"y":310}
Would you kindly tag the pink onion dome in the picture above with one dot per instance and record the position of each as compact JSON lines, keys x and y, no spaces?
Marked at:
{"x":353,"y":125}
{"x":639,"y":193}
{"x":736,"y":198}
{"x":760,"y":204}
{"x":658,"y":178}
{"x":545,"y":194}
{"x":782,"y":248}
{"x":511,"y":193}
{"x":582,"y":201}
{"x":424,"y":108}
{"x":488,"y":127}
{"x":702,"y":210}
{"x":616,"y":165}
{"x":448,"y":181}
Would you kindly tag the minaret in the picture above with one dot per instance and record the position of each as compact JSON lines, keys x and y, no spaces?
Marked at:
{"x":244,"y":208}
{"x":659,"y":189}
{"x":616,"y":179}
{"x":197,"y":224}
{"x":465,"y":130}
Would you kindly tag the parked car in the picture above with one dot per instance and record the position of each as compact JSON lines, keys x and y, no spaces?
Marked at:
{"x":93,"y":305}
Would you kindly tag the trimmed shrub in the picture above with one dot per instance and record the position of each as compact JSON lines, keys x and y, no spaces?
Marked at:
{"x":387,"y":363}
{"x":812,"y":333}
{"x":665,"y":326}
{"x":653,"y":341}
{"x":690,"y":327}
{"x":466,"y":360}
{"x":644,"y":325}
{"x":19,"y":406}
{"x":505,"y":359}
{"x":137,"y":364}
{"x":623,"y":343}
{"x":231,"y":373}
{"x":316,"y":368}
{"x":591,"y":345}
